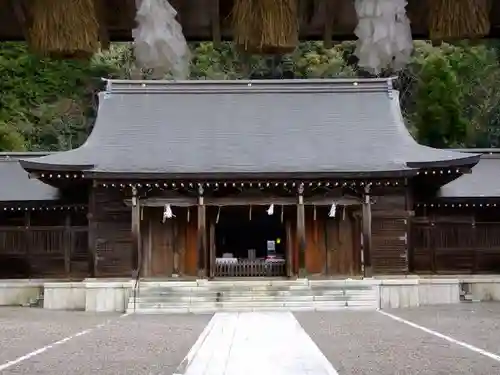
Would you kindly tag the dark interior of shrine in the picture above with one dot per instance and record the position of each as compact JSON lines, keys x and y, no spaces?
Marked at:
{"x":240,"y":230}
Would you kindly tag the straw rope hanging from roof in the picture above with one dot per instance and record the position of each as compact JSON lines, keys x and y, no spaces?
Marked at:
{"x":68,"y":28}
{"x":459,"y":19}
{"x":266,"y":26}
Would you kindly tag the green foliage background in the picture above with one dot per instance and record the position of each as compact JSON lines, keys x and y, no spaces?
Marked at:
{"x":449,"y":93}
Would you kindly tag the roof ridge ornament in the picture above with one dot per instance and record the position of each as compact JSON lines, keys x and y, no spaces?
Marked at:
{"x":248,"y":86}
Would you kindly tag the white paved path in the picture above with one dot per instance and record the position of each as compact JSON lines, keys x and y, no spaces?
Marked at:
{"x":254,"y":343}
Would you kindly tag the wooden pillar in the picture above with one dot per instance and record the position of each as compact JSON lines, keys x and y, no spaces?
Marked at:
{"x":432,"y":250}
{"x":68,"y":244}
{"x":301,"y":231}
{"x":409,"y":227}
{"x":136,"y":234}
{"x":92,"y":233}
{"x":27,"y":237}
{"x":475,"y":259}
{"x":147,"y":244}
{"x":211,"y":251}
{"x":289,"y":250}
{"x":202,"y":234}
{"x":176,"y":255}
{"x":367,"y":233}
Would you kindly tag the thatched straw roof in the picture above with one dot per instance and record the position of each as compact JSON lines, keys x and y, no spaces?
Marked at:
{"x":210,"y":19}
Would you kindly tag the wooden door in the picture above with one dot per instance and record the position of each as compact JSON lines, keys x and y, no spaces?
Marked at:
{"x":162,"y":248}
{"x":342,"y":259}
{"x":315,"y":244}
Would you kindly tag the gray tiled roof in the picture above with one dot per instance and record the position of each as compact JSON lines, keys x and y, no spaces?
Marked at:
{"x":16,"y":186}
{"x":483,"y":182}
{"x":328,"y":127}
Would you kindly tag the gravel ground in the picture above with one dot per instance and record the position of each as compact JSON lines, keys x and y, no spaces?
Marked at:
{"x":135,"y":345}
{"x":372,"y":344}
{"x":23,"y":330}
{"x":477,"y":324}
{"x":354,"y":342}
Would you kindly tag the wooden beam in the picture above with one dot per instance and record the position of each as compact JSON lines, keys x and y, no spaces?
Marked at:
{"x":18,"y":7}
{"x":103,"y":27}
{"x":92,"y":233}
{"x":245,"y":201}
{"x":301,"y":231}
{"x":202,"y":234}
{"x":161,"y":202}
{"x":329,"y":7}
{"x":130,"y":12}
{"x":306,"y":8}
{"x":27,"y":235}
{"x":409,"y":203}
{"x":215,"y":20}
{"x":367,"y":232}
{"x":289,"y":250}
{"x":136,"y":234}
{"x":176,"y":255}
{"x":147,"y":271}
{"x":250,"y":201}
{"x":68,"y":244}
{"x":212,"y":250}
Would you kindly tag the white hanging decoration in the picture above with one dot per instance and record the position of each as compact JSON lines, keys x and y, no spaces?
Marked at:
{"x":333,"y":210}
{"x":159,"y":43}
{"x":384,"y":35}
{"x":167,"y":213}
{"x":270,"y":210}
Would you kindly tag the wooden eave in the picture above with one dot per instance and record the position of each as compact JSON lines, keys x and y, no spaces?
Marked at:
{"x":278,"y":176}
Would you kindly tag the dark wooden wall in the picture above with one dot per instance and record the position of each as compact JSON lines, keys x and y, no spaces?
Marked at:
{"x":110,"y":235}
{"x":456,"y":241}
{"x":44,"y":243}
{"x":390,"y":226}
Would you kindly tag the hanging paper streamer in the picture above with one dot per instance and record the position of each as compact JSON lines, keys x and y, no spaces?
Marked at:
{"x":384,"y":35}
{"x":282,"y":212}
{"x":270,"y":210}
{"x":159,"y":43}
{"x":167,"y":213}
{"x":218,"y":216}
{"x":333,"y":210}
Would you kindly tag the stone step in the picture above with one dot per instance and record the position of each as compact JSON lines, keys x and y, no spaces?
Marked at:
{"x":249,"y":297}
{"x":212,"y":289}
{"x":305,"y":293}
{"x":206,"y":296}
{"x":248,"y":303}
{"x":201,"y":291}
{"x":241,"y":306}
{"x":194,"y":291}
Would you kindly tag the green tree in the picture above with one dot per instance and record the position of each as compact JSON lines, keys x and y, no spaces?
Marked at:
{"x":438,"y":116}
{"x":449,"y":93}
{"x":10,"y":139}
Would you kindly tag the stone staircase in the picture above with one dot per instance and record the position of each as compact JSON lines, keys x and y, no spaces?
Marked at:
{"x":205,"y":296}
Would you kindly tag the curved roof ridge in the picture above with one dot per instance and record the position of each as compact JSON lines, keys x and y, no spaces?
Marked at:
{"x":246,"y":86}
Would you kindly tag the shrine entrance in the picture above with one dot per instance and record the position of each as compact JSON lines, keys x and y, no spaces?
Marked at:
{"x":249,"y":242}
